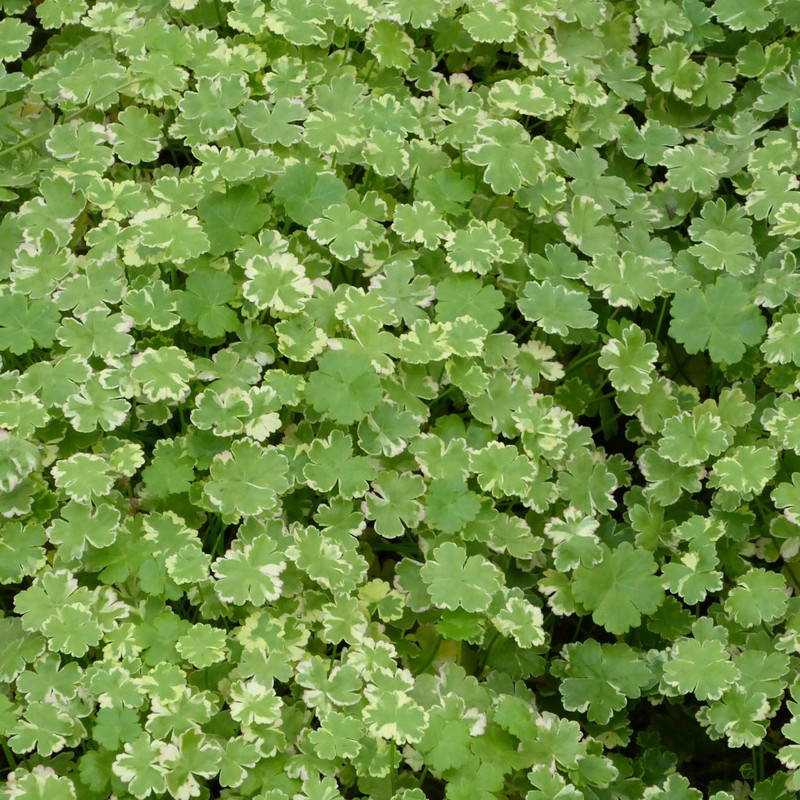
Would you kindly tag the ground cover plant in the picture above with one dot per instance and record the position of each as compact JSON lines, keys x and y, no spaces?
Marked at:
{"x":399,"y":399}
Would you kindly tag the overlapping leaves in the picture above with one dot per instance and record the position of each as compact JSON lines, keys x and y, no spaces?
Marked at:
{"x":398,"y":399}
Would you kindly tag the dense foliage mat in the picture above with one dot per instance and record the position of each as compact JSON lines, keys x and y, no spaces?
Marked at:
{"x":400,"y":399}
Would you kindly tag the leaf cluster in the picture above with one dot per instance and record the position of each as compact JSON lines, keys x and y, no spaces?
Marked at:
{"x":399,"y":399}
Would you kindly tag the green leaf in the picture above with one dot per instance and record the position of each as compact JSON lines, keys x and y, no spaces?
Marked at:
{"x":162,"y":374}
{"x":139,"y":767}
{"x":137,"y":135}
{"x":250,"y":573}
{"x":24,"y":325}
{"x":228,"y":216}
{"x":701,"y":667}
{"x":83,"y":476}
{"x":759,"y":596}
{"x":599,"y":679}
{"x":247,"y":479}
{"x":555,"y":308}
{"x":720,"y":319}
{"x":619,"y":589}
{"x":273,"y":125}
{"x":694,"y":575}
{"x":689,"y":439}
{"x":420,"y":223}
{"x":345,"y":386}
{"x":306,"y":192}
{"x":629,"y":360}
{"x":203,"y":304}
{"x":277,"y":282}
{"x":510,"y":157}
{"x":21,"y":551}
{"x":346,"y":232}
{"x":83,"y":525}
{"x":455,"y":580}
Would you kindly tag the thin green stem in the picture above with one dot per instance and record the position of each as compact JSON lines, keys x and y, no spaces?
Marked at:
{"x":486,"y":651}
{"x":525,"y":331}
{"x":614,"y":313}
{"x":25,"y":142}
{"x":429,"y":660}
{"x":606,"y":394}
{"x":490,"y":207}
{"x":678,"y":366}
{"x":598,"y":392}
{"x":393,"y":774}
{"x":217,"y":523}
{"x":413,"y":182}
{"x":608,"y":422}
{"x":713,"y":381}
{"x":438,"y":401}
{"x":220,"y":17}
{"x":492,"y":62}
{"x":578,"y":361}
{"x":512,"y":73}
{"x":449,"y":390}
{"x":368,"y":179}
{"x":660,"y":319}
{"x":368,"y":70}
{"x":12,"y":762}
{"x":346,"y":50}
